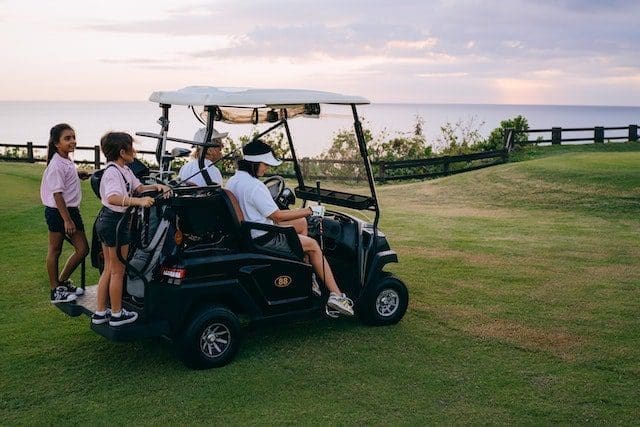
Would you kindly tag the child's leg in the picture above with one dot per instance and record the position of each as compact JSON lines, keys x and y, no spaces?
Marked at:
{"x":53,"y":254}
{"x":319,"y":263}
{"x":81,"y":246}
{"x":117,"y":278}
{"x":299,"y":224}
{"x":103,"y":282}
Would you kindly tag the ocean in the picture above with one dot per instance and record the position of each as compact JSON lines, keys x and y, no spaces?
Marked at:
{"x":22,"y":121}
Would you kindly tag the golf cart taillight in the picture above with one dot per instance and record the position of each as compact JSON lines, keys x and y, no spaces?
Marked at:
{"x":174,"y":275}
{"x":178,"y":237}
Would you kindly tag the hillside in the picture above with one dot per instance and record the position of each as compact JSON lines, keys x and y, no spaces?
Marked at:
{"x":525,"y":294}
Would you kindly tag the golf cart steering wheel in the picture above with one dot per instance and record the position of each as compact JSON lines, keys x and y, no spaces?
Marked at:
{"x":275,"y":184}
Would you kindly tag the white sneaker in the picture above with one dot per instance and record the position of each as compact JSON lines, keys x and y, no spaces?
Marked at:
{"x":340,"y":303}
{"x":315,"y":287}
{"x":124,"y":318}
{"x":60,"y":294}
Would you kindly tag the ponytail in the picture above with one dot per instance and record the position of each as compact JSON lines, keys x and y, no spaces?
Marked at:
{"x":54,"y":138}
{"x":249,"y":167}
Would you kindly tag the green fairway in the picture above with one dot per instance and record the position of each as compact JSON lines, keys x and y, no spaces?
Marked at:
{"x":524,"y":283}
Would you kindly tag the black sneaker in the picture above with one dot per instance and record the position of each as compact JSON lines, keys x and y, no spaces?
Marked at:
{"x":60,"y":294}
{"x":72,"y":289}
{"x":99,"y":319}
{"x":124,"y":318}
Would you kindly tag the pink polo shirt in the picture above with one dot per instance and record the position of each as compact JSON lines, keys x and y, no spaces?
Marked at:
{"x":114,"y":181}
{"x":60,"y":176}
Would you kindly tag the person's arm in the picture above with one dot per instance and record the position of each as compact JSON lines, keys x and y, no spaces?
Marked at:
{"x":291,"y":214}
{"x":125,"y":201}
{"x":69,"y":225}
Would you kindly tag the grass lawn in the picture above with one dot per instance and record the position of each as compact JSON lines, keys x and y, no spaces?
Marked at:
{"x":525,"y":308}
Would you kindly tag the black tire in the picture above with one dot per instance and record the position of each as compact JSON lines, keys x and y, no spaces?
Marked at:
{"x":211,"y":339}
{"x":386,"y":304}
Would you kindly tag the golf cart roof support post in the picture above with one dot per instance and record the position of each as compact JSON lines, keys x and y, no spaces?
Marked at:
{"x":296,"y":166}
{"x":210,"y":109}
{"x":261,"y":134}
{"x":164,"y":128}
{"x":367,"y":166}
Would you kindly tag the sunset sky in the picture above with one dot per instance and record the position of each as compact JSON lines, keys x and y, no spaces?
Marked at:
{"x":516,"y":52}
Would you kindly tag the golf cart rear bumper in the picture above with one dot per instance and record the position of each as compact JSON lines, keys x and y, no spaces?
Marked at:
{"x":141,"y":328}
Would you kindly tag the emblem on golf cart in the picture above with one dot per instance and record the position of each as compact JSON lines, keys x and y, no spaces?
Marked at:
{"x":282,"y":281}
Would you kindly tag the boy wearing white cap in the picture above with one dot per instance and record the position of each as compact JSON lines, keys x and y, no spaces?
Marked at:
{"x":257,"y":205}
{"x":190,"y":171}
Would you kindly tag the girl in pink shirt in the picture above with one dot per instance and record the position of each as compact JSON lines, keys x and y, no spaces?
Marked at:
{"x":117,"y":188}
{"x":60,"y":193}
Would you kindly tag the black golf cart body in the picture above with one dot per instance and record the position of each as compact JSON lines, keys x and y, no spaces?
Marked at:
{"x":198,"y":273}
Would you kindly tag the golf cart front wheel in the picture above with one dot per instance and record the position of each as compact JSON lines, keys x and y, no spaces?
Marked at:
{"x":387,"y":305}
{"x":211,"y":339}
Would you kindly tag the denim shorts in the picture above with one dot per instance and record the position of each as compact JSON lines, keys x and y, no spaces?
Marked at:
{"x":56,"y":223}
{"x":106,"y":225}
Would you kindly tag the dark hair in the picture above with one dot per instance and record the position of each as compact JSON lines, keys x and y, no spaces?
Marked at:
{"x":249,"y":167}
{"x":54,"y":138}
{"x":112,"y":142}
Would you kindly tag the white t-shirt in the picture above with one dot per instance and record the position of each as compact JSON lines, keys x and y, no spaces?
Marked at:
{"x":253,"y":197}
{"x":118,"y":181}
{"x":191,"y":167}
{"x":60,"y":176}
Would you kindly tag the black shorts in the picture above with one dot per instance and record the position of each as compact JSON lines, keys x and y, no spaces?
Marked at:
{"x":106,"y":225}
{"x":56,"y":223}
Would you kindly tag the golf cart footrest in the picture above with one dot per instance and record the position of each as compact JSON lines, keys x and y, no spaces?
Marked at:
{"x":133,"y":331}
{"x":71,"y":308}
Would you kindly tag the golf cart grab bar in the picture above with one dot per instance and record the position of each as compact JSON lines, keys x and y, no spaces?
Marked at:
{"x":337,"y":198}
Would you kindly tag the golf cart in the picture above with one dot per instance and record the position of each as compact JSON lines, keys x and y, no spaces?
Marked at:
{"x":195,"y":274}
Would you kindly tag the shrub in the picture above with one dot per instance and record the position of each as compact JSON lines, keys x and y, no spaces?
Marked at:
{"x":496,"y":138}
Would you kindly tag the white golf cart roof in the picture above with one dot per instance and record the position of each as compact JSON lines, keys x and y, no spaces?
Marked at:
{"x":228,"y":96}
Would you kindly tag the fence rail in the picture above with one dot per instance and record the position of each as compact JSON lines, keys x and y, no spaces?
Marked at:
{"x":598,"y":134}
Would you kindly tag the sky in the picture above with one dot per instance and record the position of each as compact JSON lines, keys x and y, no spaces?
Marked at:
{"x":562,"y":52}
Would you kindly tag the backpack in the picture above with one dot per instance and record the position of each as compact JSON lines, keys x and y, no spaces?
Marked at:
{"x":138,"y":168}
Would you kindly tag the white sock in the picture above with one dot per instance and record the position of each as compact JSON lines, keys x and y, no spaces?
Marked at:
{"x":101,"y":313}
{"x":116,"y":314}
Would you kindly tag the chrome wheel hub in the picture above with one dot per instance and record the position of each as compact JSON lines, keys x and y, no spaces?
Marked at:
{"x":387,"y":302}
{"x":215,"y":340}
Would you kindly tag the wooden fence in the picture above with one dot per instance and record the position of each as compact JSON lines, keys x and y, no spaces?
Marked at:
{"x":598,"y":135}
{"x":352,"y":170}
{"x":29,"y":150}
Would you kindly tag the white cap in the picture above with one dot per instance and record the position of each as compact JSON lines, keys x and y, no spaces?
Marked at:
{"x":202,"y":133}
{"x":257,"y":151}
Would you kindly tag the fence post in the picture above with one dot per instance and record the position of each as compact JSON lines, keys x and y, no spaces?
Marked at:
{"x":509,"y":137}
{"x":556,"y":136}
{"x":30,"y":152}
{"x":96,"y":157}
{"x":445,"y":165}
{"x":305,"y":166}
{"x":383,"y":171}
{"x":598,"y":134}
{"x":633,"y":133}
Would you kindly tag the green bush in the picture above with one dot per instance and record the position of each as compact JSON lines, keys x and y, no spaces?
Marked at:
{"x":496,"y":138}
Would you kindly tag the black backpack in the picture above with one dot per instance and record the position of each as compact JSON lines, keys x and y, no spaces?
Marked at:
{"x":138,"y":168}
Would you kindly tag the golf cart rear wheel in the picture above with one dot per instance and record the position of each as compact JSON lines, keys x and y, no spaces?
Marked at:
{"x":211,"y":339}
{"x":387,"y":304}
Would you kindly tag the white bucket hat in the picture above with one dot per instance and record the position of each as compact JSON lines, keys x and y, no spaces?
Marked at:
{"x":257,"y":151}
{"x":202,"y":133}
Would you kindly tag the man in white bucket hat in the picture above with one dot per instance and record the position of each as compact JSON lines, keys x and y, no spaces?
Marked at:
{"x":190,"y":169}
{"x":257,"y":205}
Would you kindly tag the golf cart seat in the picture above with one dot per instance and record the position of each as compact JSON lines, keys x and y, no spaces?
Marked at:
{"x":289,"y":244}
